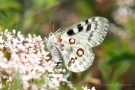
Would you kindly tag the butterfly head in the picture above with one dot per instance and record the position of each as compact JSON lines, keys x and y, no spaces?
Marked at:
{"x":52,"y":38}
{"x":51,"y":34}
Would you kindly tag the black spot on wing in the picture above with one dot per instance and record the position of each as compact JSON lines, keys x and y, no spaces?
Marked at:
{"x":93,"y":19}
{"x":90,"y":35}
{"x":70,"y":32}
{"x":80,"y":28}
{"x":86,"y":21}
{"x":88,"y":27}
{"x":96,"y":24}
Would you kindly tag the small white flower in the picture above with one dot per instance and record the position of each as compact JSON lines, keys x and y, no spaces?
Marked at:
{"x":0,"y":85}
{"x":123,"y":12}
{"x":85,"y":88}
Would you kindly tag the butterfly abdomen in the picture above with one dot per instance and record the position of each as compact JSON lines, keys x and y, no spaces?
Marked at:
{"x":56,"y":55}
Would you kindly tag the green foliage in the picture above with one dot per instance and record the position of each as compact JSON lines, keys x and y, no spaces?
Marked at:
{"x":9,"y":13}
{"x":88,"y":8}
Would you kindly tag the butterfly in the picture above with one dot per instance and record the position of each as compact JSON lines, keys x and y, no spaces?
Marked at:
{"x":74,"y":44}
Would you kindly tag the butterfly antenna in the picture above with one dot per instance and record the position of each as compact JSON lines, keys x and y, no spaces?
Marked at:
{"x":53,"y":26}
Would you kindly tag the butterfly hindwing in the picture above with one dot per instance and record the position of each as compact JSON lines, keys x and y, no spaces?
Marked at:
{"x":77,"y":57}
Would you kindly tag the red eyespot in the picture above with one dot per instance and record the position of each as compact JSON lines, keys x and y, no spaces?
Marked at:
{"x":72,"y":40}
{"x":59,"y":38}
{"x":71,"y":61}
{"x":80,"y":52}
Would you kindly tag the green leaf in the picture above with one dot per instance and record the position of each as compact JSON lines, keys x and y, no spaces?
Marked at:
{"x":121,"y":69}
{"x":114,"y":85}
{"x":104,"y":70}
{"x":10,"y":4}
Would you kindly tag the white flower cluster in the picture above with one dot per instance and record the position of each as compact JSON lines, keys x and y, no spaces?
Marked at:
{"x":85,"y":88}
{"x":125,"y":2}
{"x":24,"y":62}
{"x":124,"y":12}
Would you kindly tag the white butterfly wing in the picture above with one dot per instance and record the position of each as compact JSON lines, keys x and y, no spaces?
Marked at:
{"x":91,"y":30}
{"x":77,"y":57}
{"x":77,"y":42}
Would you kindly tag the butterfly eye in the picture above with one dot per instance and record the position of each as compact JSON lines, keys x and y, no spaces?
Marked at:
{"x":50,"y":34}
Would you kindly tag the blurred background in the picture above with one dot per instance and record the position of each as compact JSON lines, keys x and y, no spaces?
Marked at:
{"x":114,"y":64}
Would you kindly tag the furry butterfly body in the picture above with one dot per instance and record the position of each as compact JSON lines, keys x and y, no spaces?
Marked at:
{"x":75,"y":43}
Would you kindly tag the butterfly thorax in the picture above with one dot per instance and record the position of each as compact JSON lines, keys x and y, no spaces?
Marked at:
{"x":53,"y":45}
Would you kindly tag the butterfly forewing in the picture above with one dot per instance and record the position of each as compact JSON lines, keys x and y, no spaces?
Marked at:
{"x":93,"y":30}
